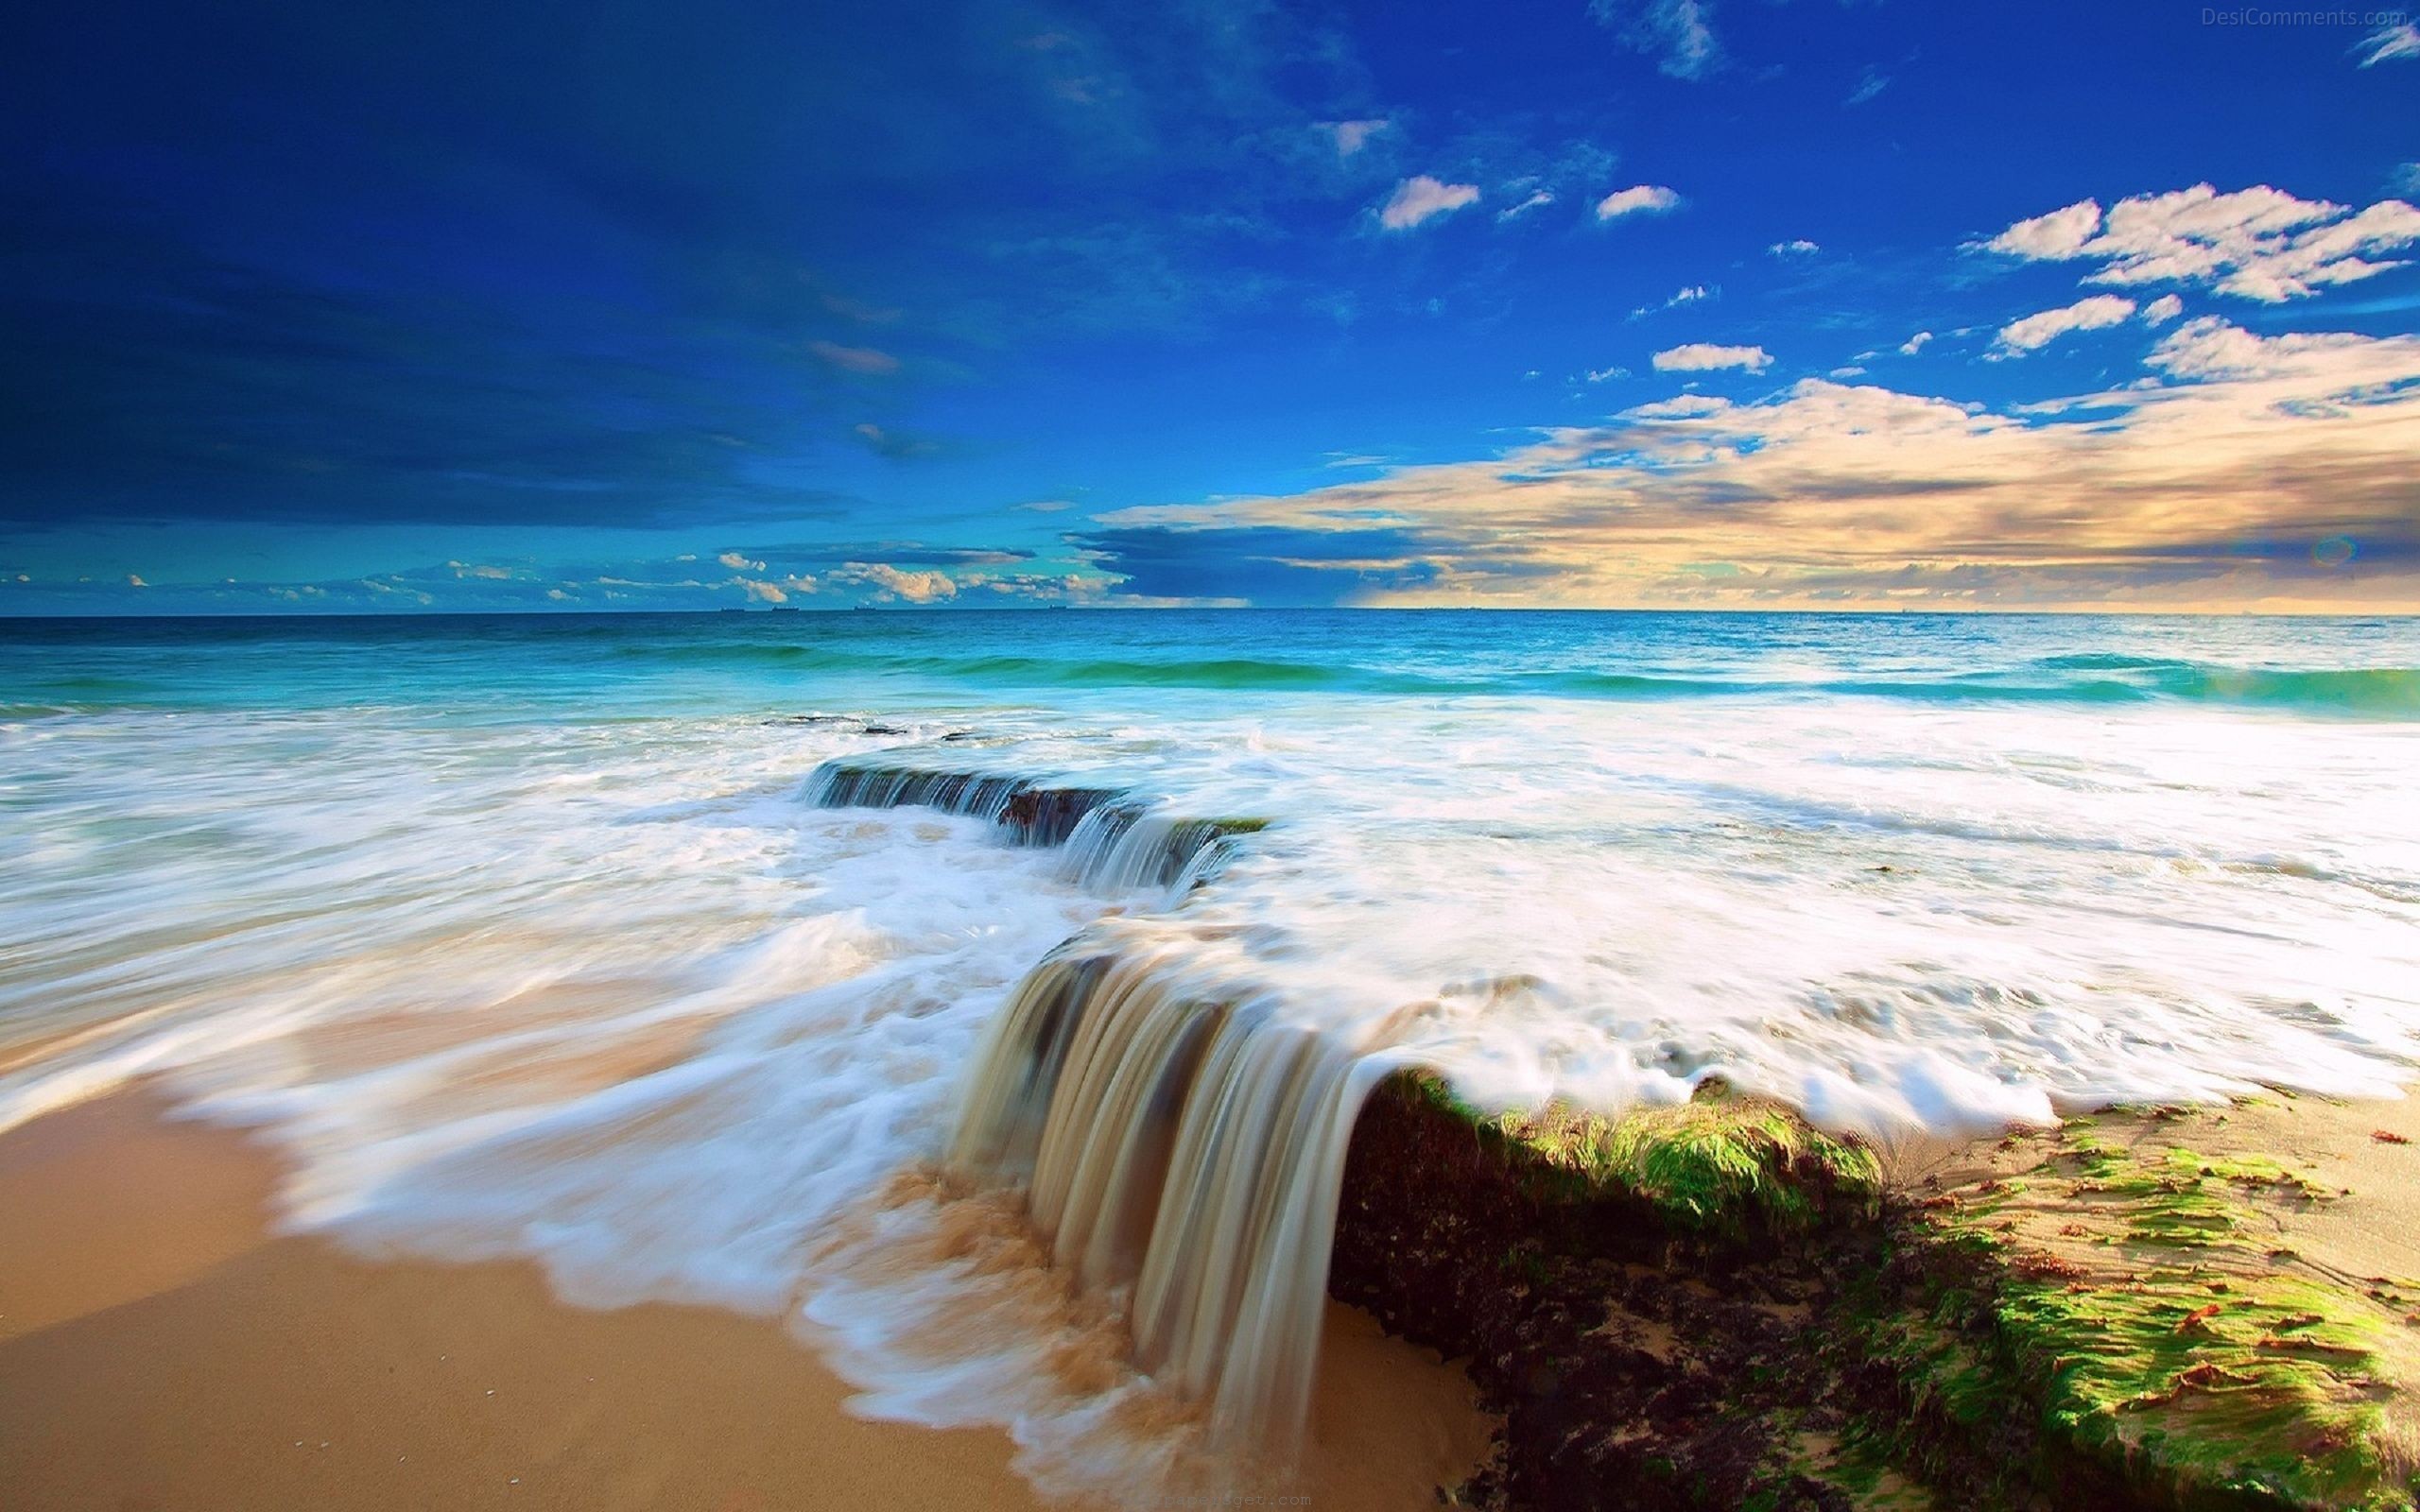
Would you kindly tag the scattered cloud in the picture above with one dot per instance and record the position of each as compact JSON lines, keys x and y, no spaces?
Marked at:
{"x":1639,"y":199}
{"x":1604,"y":375}
{"x":1679,"y":34}
{"x":1704,"y":357}
{"x":1914,"y":343}
{"x":2060,"y":233}
{"x":135,"y":580}
{"x":854,"y":359}
{"x":1538,"y":199}
{"x":1352,"y":136}
{"x":891,"y":583}
{"x":2393,"y":41}
{"x":2210,"y":347}
{"x":739,"y":563}
{"x":1800,"y":248}
{"x":2255,"y":244}
{"x":2233,"y":475}
{"x":1419,"y":197}
{"x":2036,"y":331}
{"x":2162,"y":310}
{"x":1872,"y":82}
{"x":1691,"y":294}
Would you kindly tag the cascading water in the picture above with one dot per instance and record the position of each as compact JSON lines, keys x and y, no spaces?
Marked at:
{"x":1179,"y":1144}
{"x":1115,"y":841}
{"x":1178,"y":1141}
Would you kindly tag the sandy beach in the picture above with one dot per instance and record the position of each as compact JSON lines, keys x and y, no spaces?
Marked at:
{"x":160,"y":1349}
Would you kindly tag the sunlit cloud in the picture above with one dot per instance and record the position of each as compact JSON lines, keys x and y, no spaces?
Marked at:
{"x":2256,"y":244}
{"x":1420,"y":197}
{"x":1705,"y":356}
{"x":2035,"y":332}
{"x":891,"y":583}
{"x":2243,"y":471}
{"x":1638,"y":199}
{"x":1352,"y":136}
{"x":1538,"y":200}
{"x":2396,"y":39}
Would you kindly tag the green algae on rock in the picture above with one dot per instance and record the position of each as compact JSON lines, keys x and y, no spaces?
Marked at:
{"x":1715,"y":1306}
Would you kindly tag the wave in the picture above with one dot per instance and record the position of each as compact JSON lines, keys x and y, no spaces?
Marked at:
{"x":2088,"y":678}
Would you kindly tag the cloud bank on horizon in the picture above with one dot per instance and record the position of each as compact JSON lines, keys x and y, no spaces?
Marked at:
{"x":1024,"y":302}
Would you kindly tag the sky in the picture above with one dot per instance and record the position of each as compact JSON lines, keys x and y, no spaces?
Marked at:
{"x":1616,"y":303}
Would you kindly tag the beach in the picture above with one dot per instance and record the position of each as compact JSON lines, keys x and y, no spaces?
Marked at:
{"x":160,"y":1349}
{"x":964,"y":1059}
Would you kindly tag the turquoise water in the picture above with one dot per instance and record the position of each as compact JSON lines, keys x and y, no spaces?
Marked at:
{"x":528,"y":937}
{"x":673,"y":664}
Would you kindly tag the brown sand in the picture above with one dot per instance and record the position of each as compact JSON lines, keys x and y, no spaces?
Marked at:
{"x":160,"y":1349}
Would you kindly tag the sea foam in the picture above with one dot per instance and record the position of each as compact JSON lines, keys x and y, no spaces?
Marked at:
{"x":586,"y":971}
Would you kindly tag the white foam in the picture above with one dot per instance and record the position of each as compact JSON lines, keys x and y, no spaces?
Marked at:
{"x":611,"y":997}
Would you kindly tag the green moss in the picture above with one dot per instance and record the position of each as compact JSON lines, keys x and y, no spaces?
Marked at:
{"x":1719,"y":1165}
{"x":2134,"y":1299}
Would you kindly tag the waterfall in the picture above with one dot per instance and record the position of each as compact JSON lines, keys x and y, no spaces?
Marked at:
{"x":1179,"y":1142}
{"x":1117,"y":841}
{"x":1180,"y":1145}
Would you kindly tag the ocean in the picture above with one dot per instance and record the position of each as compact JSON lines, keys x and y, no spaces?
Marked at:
{"x":748,"y":959}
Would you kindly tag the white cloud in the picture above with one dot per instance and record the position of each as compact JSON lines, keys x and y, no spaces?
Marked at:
{"x":1690,"y":294}
{"x":2038,"y":331}
{"x":1352,"y":136}
{"x":1601,"y":376}
{"x":1704,"y":357}
{"x":2396,"y":38}
{"x":2406,"y":179}
{"x":1681,"y":406}
{"x":2256,"y":244}
{"x":1914,"y":343}
{"x":2208,"y":347}
{"x":135,"y":580}
{"x":1639,"y":199}
{"x":762,"y":592}
{"x":2202,"y":485}
{"x":1676,"y":32}
{"x":854,"y":359}
{"x":2061,"y":234}
{"x":1421,"y":197}
{"x":738,"y":563}
{"x":1800,"y":248}
{"x":2162,"y":310}
{"x":1537,"y":197}
{"x":891,"y":582}
{"x":1872,"y":82}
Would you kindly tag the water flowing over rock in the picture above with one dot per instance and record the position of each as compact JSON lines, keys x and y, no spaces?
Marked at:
{"x":1180,"y":1145}
{"x":1115,"y":840}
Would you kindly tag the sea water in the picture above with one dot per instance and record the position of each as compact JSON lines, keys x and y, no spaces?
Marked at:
{"x":536,"y":937}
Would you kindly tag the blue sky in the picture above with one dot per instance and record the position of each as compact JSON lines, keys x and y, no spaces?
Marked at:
{"x":1730,"y":303}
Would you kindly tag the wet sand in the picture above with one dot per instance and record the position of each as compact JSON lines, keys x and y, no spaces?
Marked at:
{"x":159,"y":1349}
